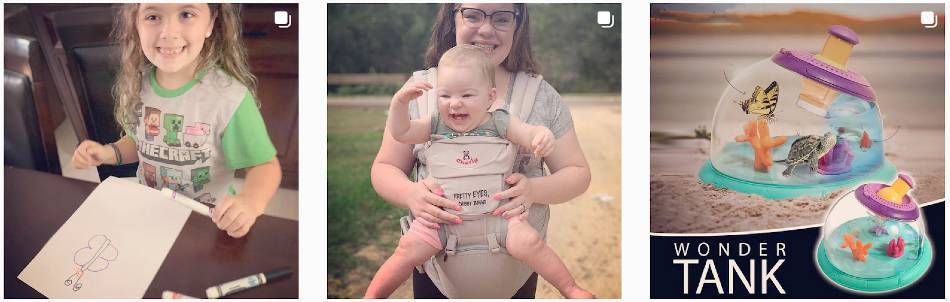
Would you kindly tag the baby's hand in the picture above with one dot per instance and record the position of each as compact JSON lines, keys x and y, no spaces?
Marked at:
{"x":235,"y":215}
{"x":411,"y":91}
{"x":92,"y":154}
{"x":542,"y":143}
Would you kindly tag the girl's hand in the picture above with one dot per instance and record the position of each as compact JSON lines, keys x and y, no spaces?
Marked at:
{"x":411,"y":91}
{"x":235,"y":215}
{"x":520,"y":202}
{"x":426,"y":203}
{"x":542,"y":143}
{"x":92,"y":154}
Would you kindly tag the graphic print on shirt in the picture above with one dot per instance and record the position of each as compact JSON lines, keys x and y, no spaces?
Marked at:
{"x":172,"y":179}
{"x":173,"y":123}
{"x":196,"y":150}
{"x":200,"y":177}
{"x":197,"y":134}
{"x":137,"y":113}
{"x":150,"y":175}
{"x":152,"y":120}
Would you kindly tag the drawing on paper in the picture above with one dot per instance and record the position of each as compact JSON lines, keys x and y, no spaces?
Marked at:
{"x":94,"y":257}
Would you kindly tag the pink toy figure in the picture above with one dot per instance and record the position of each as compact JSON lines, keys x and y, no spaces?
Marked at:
{"x":895,"y":249}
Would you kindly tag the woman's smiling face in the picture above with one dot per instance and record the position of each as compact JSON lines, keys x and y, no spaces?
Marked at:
{"x":498,"y":42}
{"x":172,"y":35}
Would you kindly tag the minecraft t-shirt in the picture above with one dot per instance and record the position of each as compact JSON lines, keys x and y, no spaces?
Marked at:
{"x":192,"y":139}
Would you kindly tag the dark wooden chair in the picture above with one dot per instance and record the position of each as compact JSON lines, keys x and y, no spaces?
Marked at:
{"x":29,"y":132}
{"x":79,"y":41}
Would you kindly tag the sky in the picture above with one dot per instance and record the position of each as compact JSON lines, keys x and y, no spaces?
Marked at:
{"x":858,"y":10}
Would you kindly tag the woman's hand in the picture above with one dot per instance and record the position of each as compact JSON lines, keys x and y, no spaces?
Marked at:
{"x":426,"y":202}
{"x":519,"y":195}
{"x":235,"y":214}
{"x":92,"y":154}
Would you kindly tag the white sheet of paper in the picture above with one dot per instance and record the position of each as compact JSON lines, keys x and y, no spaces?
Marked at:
{"x":111,"y":247}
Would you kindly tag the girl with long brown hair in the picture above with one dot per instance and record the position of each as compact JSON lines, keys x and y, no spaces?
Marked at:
{"x":186,"y":104}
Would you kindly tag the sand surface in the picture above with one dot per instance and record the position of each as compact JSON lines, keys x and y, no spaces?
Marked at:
{"x":585,"y":231}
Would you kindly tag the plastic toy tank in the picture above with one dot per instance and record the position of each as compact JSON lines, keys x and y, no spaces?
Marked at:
{"x":874,"y":239}
{"x":798,"y":124}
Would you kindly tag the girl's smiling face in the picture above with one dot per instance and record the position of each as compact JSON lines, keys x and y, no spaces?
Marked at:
{"x":464,"y":97}
{"x":498,"y":42}
{"x":172,"y":35}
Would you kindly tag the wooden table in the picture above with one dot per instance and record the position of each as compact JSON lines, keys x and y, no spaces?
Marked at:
{"x":37,"y":204}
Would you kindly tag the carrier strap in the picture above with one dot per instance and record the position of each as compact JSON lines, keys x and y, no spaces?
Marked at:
{"x":523,"y":93}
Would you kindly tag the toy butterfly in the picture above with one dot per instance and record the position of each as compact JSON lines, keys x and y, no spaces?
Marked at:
{"x":762,"y":102}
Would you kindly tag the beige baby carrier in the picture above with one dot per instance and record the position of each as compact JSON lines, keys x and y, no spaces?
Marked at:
{"x":471,"y":168}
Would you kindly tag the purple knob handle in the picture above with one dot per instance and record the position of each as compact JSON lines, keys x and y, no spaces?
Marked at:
{"x":844,"y":33}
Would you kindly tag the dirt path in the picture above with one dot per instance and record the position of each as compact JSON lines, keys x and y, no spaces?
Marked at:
{"x":585,"y":232}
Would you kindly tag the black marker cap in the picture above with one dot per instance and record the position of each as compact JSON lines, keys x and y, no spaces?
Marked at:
{"x":277,"y":274}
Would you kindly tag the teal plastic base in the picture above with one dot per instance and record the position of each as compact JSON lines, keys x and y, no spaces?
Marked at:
{"x":876,"y":285}
{"x":708,"y":174}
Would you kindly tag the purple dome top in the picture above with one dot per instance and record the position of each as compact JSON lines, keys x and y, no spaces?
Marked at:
{"x":844,"y":33}
{"x":867,"y":195}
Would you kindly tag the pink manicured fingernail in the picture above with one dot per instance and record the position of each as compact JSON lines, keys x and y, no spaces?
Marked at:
{"x":458,"y":221}
{"x":497,"y":197}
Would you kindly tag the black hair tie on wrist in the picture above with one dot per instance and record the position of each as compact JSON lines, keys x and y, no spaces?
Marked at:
{"x":118,"y":155}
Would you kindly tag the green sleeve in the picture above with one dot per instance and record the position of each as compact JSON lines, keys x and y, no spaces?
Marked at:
{"x":245,"y":142}
{"x":501,"y":118}
{"x":434,"y":124}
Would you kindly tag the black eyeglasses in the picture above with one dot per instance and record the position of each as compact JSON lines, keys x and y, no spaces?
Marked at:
{"x":502,"y":20}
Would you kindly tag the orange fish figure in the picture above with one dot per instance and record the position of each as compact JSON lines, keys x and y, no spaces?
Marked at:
{"x":858,"y":251}
{"x":865,"y":141}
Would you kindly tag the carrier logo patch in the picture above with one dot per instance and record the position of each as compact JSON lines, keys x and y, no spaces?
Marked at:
{"x":466,"y":159}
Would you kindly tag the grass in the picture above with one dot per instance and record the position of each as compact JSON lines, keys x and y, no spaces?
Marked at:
{"x":356,"y":215}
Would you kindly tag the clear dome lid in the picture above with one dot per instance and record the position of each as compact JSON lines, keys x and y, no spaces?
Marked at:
{"x":875,"y":231}
{"x":799,"y":119}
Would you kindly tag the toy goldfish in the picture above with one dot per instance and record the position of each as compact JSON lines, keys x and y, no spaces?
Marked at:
{"x":865,"y":141}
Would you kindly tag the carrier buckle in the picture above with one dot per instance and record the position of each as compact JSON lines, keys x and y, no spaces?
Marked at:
{"x":493,"y":245}
{"x":450,"y":244}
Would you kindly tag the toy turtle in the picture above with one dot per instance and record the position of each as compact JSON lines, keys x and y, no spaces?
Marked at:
{"x":809,"y":149}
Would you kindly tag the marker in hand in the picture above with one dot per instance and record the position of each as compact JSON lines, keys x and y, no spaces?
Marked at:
{"x":201,"y":208}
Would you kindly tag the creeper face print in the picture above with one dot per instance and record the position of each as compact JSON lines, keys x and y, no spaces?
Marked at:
{"x":200,"y":177}
{"x":172,"y":179}
{"x":152,"y":119}
{"x":196,"y":134}
{"x":173,"y":124}
{"x":150,"y":176}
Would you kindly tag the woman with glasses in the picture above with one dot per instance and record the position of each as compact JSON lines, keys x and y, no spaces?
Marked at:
{"x":503,"y":29}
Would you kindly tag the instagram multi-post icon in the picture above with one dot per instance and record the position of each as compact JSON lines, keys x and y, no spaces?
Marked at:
{"x":928,"y":19}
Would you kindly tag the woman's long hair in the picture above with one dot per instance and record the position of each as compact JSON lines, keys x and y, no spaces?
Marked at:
{"x":520,"y":58}
{"x":223,"y":50}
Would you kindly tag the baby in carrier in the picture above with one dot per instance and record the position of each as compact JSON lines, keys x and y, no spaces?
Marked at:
{"x":476,"y":140}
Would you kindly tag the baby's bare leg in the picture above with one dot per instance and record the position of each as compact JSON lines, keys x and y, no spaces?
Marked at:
{"x":524,"y":243}
{"x":411,"y":252}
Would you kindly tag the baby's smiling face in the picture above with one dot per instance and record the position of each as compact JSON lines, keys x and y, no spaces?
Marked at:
{"x":464,"y":97}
